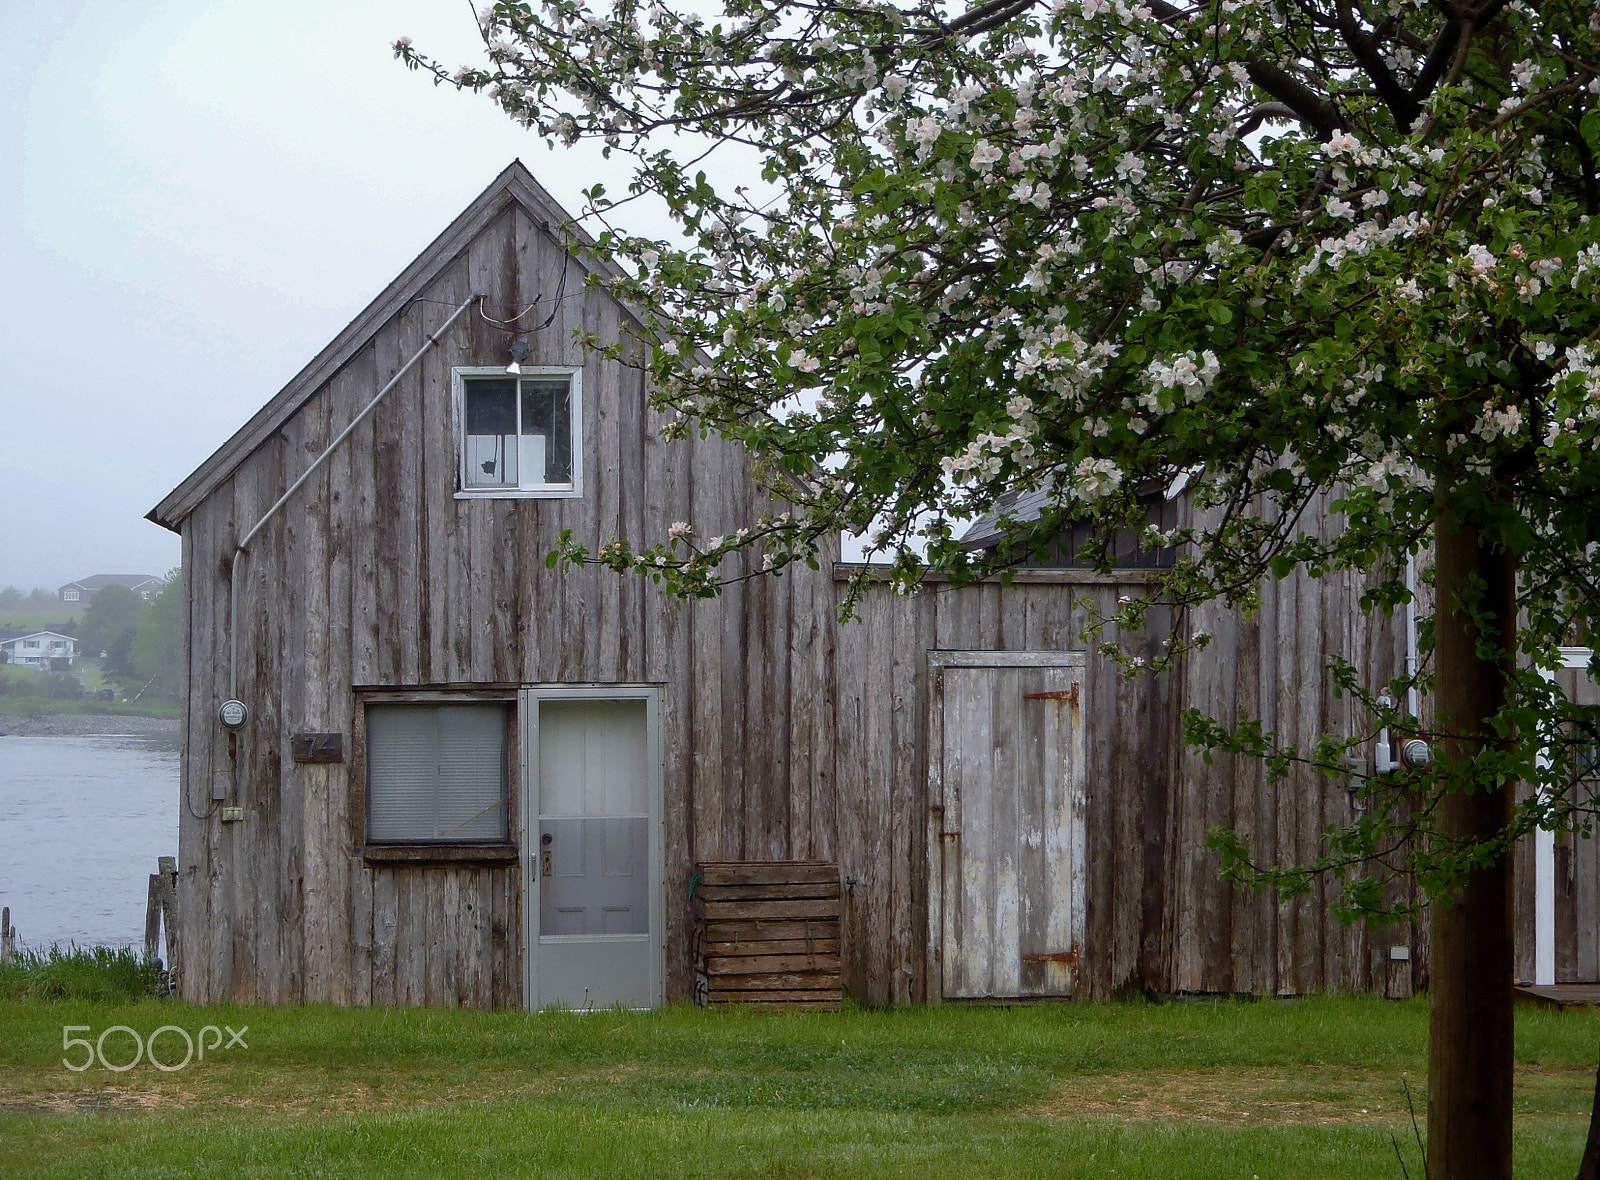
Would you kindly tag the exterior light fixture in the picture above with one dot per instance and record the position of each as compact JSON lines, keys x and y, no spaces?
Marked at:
{"x":519,"y":353}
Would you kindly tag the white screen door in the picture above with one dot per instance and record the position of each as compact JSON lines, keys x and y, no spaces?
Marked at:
{"x":594,"y":848}
{"x":1006,"y":835}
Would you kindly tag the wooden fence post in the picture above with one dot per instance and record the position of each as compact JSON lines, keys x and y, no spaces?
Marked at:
{"x":161,"y":911}
{"x":8,"y":937}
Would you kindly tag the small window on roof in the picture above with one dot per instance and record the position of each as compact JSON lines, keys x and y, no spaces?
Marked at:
{"x":520,"y":435}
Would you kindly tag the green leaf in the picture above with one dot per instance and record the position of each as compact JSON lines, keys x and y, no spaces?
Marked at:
{"x":1589,"y":127}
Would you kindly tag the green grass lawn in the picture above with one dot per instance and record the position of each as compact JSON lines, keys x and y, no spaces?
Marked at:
{"x":39,"y":616}
{"x":34,"y":706}
{"x":56,"y":707}
{"x":1312,"y":1088}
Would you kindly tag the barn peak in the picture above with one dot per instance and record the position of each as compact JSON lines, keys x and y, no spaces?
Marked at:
{"x":514,"y":186}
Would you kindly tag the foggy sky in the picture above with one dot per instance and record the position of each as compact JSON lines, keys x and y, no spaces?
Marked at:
{"x":194,"y":199}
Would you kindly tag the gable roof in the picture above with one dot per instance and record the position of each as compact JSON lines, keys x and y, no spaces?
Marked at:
{"x":38,"y":635}
{"x":101,"y":581}
{"x":514,"y":185}
{"x":1024,"y":507}
{"x":1011,"y":508}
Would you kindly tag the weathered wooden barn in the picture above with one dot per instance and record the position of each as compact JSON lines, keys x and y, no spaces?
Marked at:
{"x":467,"y":779}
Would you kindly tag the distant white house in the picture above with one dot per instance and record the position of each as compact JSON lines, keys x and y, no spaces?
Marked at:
{"x":146,"y":586}
{"x":38,"y":650}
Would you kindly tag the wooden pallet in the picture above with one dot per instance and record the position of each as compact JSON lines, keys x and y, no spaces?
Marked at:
{"x":767,"y":934}
{"x":1558,"y":995}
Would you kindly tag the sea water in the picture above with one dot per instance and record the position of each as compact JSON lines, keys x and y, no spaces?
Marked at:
{"x":82,"y":821}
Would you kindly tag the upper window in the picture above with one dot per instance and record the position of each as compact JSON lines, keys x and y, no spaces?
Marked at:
{"x":1586,"y":741}
{"x":520,"y":435}
{"x":69,"y":596}
{"x":437,"y":773}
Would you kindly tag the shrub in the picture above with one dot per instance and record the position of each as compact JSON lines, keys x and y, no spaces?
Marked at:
{"x":79,"y":973}
{"x":63,"y":686}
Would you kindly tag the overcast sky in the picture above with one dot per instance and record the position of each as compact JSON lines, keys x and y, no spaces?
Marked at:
{"x":194,"y":199}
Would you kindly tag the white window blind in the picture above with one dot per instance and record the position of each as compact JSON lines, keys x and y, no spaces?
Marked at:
{"x":436,"y":772}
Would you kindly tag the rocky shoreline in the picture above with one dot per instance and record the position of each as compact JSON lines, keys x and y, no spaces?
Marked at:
{"x":86,"y":725}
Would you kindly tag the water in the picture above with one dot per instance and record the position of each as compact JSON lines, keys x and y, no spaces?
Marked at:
{"x":82,"y":820}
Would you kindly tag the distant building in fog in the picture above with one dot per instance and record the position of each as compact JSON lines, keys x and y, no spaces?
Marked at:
{"x":44,"y":650}
{"x":146,"y":586}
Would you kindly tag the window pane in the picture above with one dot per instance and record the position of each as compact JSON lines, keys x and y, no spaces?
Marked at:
{"x":472,"y":758}
{"x":1588,"y":742}
{"x":547,"y":430}
{"x":402,"y":772}
{"x":593,"y":758}
{"x":436,"y":772}
{"x":491,"y":433}
{"x":594,"y":876}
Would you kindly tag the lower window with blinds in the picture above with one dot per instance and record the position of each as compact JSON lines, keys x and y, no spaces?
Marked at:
{"x":437,"y":774}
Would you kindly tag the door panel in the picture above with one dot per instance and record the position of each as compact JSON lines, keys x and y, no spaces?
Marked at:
{"x":595,"y":877}
{"x":599,"y":878}
{"x":1009,"y":778}
{"x":592,"y":757}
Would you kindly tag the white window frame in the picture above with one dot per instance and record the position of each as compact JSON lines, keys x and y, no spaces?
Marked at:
{"x":528,"y":704}
{"x":69,"y":596}
{"x":458,"y":388}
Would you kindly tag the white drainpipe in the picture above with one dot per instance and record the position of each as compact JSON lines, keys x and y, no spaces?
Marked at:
{"x":244,"y":543}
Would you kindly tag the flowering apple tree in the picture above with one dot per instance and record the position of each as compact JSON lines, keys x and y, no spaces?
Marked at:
{"x":1091,"y":247}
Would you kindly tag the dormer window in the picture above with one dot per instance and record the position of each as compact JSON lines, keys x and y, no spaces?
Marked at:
{"x":519,"y":435}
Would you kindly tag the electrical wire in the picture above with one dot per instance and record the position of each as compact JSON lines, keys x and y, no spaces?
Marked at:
{"x":188,"y":802}
{"x":510,"y":325}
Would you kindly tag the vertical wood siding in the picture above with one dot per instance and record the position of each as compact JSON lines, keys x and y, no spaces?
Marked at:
{"x":786,"y":735}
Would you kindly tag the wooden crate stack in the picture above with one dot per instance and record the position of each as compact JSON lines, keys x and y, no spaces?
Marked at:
{"x":767,"y":933}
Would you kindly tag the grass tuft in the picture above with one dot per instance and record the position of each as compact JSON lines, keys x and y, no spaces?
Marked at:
{"x":98,"y":973}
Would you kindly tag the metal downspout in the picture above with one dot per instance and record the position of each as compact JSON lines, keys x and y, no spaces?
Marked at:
{"x":244,"y":544}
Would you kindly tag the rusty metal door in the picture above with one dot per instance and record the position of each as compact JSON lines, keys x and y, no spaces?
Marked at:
{"x":1006,"y":833}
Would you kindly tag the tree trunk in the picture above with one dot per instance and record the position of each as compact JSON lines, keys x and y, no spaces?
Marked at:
{"x":1589,"y":1169}
{"x":1470,"y":1054}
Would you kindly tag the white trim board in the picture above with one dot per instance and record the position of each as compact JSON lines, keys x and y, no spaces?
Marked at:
{"x":1008,"y":659}
{"x":528,"y":701}
{"x":1544,"y":856}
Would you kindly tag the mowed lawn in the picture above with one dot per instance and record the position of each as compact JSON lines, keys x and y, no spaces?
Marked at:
{"x":1311,"y":1088}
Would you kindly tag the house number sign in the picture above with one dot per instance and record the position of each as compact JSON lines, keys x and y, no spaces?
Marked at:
{"x":317,"y":747}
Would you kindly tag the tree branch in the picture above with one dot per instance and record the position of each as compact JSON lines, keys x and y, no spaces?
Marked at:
{"x":1401,"y":103}
{"x":1308,"y":106}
